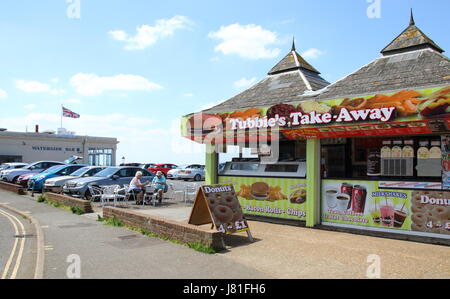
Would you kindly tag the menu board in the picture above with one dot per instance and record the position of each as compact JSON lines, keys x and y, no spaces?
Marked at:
{"x":219,"y":205}
{"x":365,"y":204}
{"x":283,"y":198}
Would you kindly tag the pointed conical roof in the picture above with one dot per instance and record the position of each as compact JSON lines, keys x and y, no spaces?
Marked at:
{"x":411,"y":39}
{"x":292,"y":61}
{"x":291,"y":77}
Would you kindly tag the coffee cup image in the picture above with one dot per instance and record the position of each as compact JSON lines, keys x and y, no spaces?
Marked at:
{"x":260,"y":191}
{"x":342,"y":201}
{"x":330,"y":196}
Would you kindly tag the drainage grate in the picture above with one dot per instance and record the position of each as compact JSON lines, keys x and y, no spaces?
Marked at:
{"x":76,"y":225}
{"x":128,"y":237}
{"x":23,"y":236}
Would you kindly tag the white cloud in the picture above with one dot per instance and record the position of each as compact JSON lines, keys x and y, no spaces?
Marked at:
{"x":147,"y":35}
{"x":244,"y":83}
{"x":30,"y":106}
{"x":37,"y":87}
{"x":72,"y":101}
{"x":3,"y":94}
{"x":248,"y":41}
{"x":312,"y":53}
{"x":92,"y":84}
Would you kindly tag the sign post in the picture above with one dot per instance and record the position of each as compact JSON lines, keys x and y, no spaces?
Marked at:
{"x":219,"y":206}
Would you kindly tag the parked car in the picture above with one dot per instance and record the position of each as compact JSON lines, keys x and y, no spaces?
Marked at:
{"x":24,"y":178}
{"x":131,"y":164}
{"x":12,"y":165}
{"x":37,"y":182}
{"x":194,"y":172}
{"x":56,"y":184}
{"x":173,"y":173}
{"x":164,"y":168}
{"x":9,"y":166}
{"x":109,"y":176}
{"x":147,"y":165}
{"x":13,"y":174}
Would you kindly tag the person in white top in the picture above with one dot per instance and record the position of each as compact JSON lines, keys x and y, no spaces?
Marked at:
{"x":136,"y":187}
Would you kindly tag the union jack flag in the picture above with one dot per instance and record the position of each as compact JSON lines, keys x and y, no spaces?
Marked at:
{"x":69,"y":113}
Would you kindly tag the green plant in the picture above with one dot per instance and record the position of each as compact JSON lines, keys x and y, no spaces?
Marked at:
{"x":77,"y":210}
{"x":41,"y":198}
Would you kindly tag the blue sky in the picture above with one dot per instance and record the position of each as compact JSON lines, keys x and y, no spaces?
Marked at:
{"x":133,"y":68}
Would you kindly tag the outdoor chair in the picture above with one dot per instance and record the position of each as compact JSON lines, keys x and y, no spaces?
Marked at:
{"x":109,"y":193}
{"x":122,"y":194}
{"x":190,"y":192}
{"x":178,"y":194}
{"x":149,"y":195}
{"x":96,"y":193}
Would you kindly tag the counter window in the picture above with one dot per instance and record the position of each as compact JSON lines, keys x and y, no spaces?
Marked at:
{"x":386,"y":158}
{"x":242,"y":161}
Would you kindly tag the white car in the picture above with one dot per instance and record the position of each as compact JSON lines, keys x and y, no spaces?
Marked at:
{"x":173,"y":173}
{"x":194,"y":172}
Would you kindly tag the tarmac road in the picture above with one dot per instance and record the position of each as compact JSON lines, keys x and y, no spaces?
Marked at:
{"x":17,"y":246}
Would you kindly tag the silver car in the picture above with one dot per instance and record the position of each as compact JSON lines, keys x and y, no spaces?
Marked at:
{"x":79,"y":187}
{"x":8,"y":166}
{"x":56,"y":184}
{"x":194,"y":172}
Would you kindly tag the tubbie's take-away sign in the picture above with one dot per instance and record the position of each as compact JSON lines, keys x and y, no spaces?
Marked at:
{"x":404,"y":112}
{"x":314,"y":118}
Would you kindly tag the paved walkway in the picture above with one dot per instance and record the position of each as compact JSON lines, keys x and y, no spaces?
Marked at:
{"x":293,"y":252}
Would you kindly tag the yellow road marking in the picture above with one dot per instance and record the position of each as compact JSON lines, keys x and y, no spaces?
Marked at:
{"x":12,"y":219}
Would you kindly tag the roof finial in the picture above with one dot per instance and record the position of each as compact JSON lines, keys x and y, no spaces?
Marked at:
{"x":293,"y":44}
{"x":412,"y":22}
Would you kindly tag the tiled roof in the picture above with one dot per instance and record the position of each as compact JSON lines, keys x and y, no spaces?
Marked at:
{"x":289,"y":78}
{"x":412,"y":70}
{"x":411,"y":38}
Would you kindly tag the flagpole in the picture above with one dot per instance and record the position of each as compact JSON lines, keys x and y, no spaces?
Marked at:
{"x":61,"y":115}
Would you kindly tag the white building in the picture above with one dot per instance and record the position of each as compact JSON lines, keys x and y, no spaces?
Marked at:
{"x":31,"y":147}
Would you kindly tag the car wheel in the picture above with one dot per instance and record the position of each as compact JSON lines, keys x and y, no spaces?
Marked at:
{"x":197,"y":177}
{"x":14,"y":181}
{"x":88,"y":195}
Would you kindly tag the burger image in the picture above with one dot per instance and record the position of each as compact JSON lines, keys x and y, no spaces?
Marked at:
{"x":204,"y":123}
{"x":260,"y":191}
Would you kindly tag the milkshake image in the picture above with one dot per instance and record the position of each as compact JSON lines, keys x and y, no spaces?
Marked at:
{"x":387,"y":215}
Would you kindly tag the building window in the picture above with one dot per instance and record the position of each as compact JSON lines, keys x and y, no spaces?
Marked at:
{"x":100,"y":157}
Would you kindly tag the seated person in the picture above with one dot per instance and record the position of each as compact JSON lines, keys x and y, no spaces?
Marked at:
{"x":160,"y":185}
{"x":136,"y":187}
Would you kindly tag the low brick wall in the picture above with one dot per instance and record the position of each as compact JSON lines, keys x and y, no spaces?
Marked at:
{"x":168,"y":228}
{"x":84,"y":205}
{"x":13,"y":188}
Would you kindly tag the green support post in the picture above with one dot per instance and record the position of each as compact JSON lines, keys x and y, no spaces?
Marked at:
{"x":211,"y":165}
{"x":312,"y":181}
